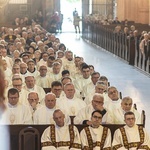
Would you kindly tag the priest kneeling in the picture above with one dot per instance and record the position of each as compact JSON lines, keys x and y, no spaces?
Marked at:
{"x":60,"y":136}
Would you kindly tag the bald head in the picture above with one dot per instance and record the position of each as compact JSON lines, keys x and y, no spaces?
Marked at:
{"x":50,"y":100}
{"x":59,"y":117}
{"x":33,"y":97}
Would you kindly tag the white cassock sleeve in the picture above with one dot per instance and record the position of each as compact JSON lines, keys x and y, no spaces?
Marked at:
{"x":27,"y":116}
{"x":76,"y":138}
{"x":77,"y":86}
{"x":80,"y":117}
{"x":117,"y":140}
{"x":84,"y":140}
{"x":45,"y":140}
{"x":49,"y":148}
{"x":108,"y":140}
{"x":137,"y":116}
{"x":146,"y":139}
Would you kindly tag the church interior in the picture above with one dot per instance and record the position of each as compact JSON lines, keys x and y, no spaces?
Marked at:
{"x":46,"y":42}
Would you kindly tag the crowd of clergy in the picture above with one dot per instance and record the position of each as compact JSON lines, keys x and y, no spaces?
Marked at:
{"x":34,"y":60}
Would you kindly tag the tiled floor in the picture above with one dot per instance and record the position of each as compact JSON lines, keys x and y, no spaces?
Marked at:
{"x":130,"y":81}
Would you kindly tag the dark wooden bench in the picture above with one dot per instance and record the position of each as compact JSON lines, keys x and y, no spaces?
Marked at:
{"x":118,"y":43}
{"x":47,"y":90}
{"x":27,"y":137}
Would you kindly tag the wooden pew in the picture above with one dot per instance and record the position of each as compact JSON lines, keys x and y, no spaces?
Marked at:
{"x":118,"y":43}
{"x":47,"y":90}
{"x":143,"y":116}
{"x":29,"y":134}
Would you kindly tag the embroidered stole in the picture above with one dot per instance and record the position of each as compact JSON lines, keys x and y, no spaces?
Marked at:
{"x":61,"y":143}
{"x":97,"y":143}
{"x":128,"y":145}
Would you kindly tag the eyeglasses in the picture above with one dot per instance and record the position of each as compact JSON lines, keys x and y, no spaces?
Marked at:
{"x":130,"y":119}
{"x":13,"y":98}
{"x":97,"y":117}
{"x":57,"y":89}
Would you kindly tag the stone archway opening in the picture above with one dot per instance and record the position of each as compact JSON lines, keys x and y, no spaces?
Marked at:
{"x":67,"y":7}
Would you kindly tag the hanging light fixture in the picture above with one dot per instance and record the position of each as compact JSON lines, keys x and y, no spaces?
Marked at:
{"x":3,"y":3}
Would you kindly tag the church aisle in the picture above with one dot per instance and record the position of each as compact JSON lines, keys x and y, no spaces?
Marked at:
{"x":128,"y":80}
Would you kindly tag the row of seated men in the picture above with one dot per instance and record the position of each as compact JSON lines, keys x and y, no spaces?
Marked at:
{"x":65,"y":100}
{"x":27,"y":74}
{"x":34,"y":112}
{"x":61,"y":136}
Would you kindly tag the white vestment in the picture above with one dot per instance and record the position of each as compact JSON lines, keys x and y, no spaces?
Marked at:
{"x":38,"y":90}
{"x":41,"y":63}
{"x":62,"y":134}
{"x":9,"y":61}
{"x":49,"y":70}
{"x":44,"y":115}
{"x":96,"y":134}
{"x":118,"y":116}
{"x":64,"y":59}
{"x":88,"y":89}
{"x":18,"y":114}
{"x":72,"y":106}
{"x":7,"y":74}
{"x":89,"y":97}
{"x":44,"y":82}
{"x":112,"y":105}
{"x":80,"y":83}
{"x":85,"y":114}
{"x":69,"y":65}
{"x":33,"y":110}
{"x":76,"y":74}
{"x":23,"y":96}
{"x":55,"y":77}
{"x":25,"y":75}
{"x":133,"y":136}
{"x":63,"y":95}
{"x":35,"y":73}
